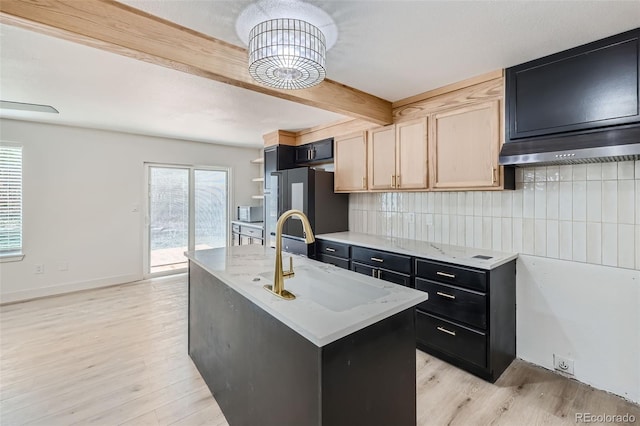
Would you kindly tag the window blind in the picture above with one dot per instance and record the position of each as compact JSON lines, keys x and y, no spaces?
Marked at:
{"x":10,"y":198}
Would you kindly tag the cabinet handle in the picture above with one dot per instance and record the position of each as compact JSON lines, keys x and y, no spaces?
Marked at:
{"x":397,"y":181}
{"x":373,"y":273}
{"x":393,"y":181}
{"x":444,"y":274}
{"x":309,"y":155}
{"x":493,"y":175}
{"x":444,"y":330}
{"x":364,"y":183}
{"x":376,"y":259}
{"x":379,"y":274}
{"x":330,"y":249}
{"x":448,"y":296}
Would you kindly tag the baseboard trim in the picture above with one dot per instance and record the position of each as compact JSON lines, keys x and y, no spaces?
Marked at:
{"x":38,"y":293}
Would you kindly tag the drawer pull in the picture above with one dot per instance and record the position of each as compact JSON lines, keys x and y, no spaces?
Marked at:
{"x":448,"y":296}
{"x":373,"y":273}
{"x":444,"y":274}
{"x":444,"y":330}
{"x":330,"y":249}
{"x":376,"y":259}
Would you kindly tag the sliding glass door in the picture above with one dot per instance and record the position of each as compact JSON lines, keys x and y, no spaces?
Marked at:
{"x":187,"y":209}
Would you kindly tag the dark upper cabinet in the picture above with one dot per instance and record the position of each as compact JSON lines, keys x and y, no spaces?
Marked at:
{"x":280,"y":157}
{"x":582,"y":89}
{"x":315,"y":152}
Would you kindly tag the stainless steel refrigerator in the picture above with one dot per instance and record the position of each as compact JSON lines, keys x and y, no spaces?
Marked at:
{"x":311,"y":191}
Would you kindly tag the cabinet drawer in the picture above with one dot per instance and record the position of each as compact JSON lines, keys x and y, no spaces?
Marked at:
{"x":450,"y":274}
{"x":332,"y":249}
{"x":456,"y":303}
{"x":250,"y":231}
{"x":382,"y":259}
{"x":336,"y":261}
{"x":456,"y":340}
{"x":383,"y":274}
{"x":235,"y":228}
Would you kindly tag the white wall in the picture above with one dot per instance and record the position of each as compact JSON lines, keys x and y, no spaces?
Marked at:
{"x":79,"y":190}
{"x":577,"y":229}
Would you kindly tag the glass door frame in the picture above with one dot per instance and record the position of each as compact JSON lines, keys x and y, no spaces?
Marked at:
{"x":146,"y":240}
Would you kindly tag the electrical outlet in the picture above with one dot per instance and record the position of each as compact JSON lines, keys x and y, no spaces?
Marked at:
{"x":562,"y":364}
{"x":38,"y":269}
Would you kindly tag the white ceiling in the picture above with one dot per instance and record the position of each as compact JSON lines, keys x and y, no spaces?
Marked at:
{"x":392,"y":49}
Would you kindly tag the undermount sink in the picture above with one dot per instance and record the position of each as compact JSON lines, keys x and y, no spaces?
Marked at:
{"x":332,"y":291}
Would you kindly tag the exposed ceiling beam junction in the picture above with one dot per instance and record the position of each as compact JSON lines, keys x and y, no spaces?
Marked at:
{"x":121,"y":29}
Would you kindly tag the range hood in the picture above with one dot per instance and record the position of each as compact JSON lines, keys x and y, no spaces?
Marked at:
{"x":577,"y":106}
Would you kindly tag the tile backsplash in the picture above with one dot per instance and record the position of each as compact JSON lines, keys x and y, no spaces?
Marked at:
{"x":585,"y":213}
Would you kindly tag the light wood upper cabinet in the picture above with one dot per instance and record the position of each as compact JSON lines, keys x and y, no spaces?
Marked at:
{"x":382,"y":154}
{"x":463,"y":146}
{"x":411,"y":154}
{"x":350,"y":162}
{"x":398,"y":156}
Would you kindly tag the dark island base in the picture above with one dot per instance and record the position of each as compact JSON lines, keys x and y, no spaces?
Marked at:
{"x":263,"y":373}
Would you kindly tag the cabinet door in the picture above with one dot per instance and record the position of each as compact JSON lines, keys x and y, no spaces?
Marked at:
{"x":464,"y":143}
{"x":303,"y":153}
{"x":322,"y":150}
{"x":245,"y":240}
{"x":382,"y":158}
{"x":411,"y":154}
{"x":350,"y":163}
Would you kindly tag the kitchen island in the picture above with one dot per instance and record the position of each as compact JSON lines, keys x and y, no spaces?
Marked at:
{"x":341,"y":353}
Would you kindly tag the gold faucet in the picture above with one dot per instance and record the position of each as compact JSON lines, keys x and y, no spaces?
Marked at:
{"x":280,"y":275}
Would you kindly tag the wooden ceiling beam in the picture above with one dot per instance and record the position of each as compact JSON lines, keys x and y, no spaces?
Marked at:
{"x":121,"y":29}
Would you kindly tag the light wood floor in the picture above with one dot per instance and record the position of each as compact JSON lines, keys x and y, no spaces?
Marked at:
{"x":118,"y":356}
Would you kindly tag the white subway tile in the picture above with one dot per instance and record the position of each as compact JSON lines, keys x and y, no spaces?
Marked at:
{"x":445,"y":203}
{"x":462,"y":203}
{"x":553,"y":192}
{"x":626,"y":243}
{"x":496,"y":204}
{"x":553,"y":238}
{"x":486,"y":203}
{"x":364,"y":217}
{"x":540,"y":200}
{"x":610,"y":201}
{"x":579,"y":172}
{"x":453,"y":230}
{"x":528,"y":236}
{"x":517,"y":202}
{"x":469,"y":201}
{"x":626,"y":201}
{"x":477,"y":203}
{"x":540,"y":243}
{"x":594,"y":200}
{"x":477,"y":232}
{"x":445,"y":229}
{"x":462,"y":239}
{"x":396,"y":225}
{"x":519,"y":174}
{"x":411,"y":202}
{"x":506,"y":234}
{"x":496,"y":234}
{"x":540,"y":174}
{"x":352,"y":220}
{"x":431,"y":202}
{"x":372,"y":222}
{"x":418,"y":226}
{"x":553,"y":173}
{"x":637,"y":206}
{"x":609,"y":171}
{"x":411,"y":231}
{"x":580,"y":241}
{"x":528,"y":201}
{"x":565,"y":243}
{"x":453,"y":203}
{"x":469,"y":231}
{"x":403,"y":202}
{"x":579,"y":201}
{"x":486,"y":233}
{"x":517,"y":229}
{"x":565,"y":201}
{"x":506,"y":210}
{"x":626,"y":170}
{"x":395,"y":202}
{"x":610,"y":244}
{"x":594,"y":242}
{"x":529,"y":175}
{"x":437,"y":203}
{"x":594,"y":171}
{"x":637,"y":172}
{"x":437,"y":226}
{"x":566,"y":173}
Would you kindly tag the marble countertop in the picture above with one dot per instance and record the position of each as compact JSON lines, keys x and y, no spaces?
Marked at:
{"x":434,"y":251}
{"x":330,"y":303}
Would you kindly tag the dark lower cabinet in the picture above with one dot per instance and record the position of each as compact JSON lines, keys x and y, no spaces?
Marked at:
{"x":383,"y":274}
{"x":243,"y":234}
{"x":470,"y":317}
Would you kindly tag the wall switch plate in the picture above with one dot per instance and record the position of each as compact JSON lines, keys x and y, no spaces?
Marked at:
{"x":563,"y":364}
{"x":38,"y":269}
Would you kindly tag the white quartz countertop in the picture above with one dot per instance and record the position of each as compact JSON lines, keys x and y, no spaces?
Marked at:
{"x":330,"y":303}
{"x":442,"y":252}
